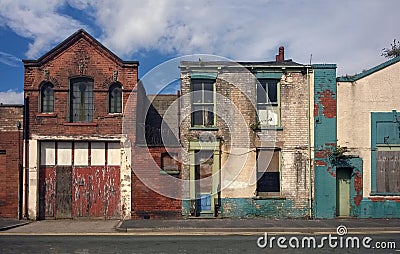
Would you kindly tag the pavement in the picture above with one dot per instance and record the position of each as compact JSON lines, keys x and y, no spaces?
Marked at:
{"x":199,"y":226}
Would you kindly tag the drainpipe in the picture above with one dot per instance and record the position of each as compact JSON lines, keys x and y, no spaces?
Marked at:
{"x":26,"y":153}
{"x":20,"y":173}
{"x":310,"y":205}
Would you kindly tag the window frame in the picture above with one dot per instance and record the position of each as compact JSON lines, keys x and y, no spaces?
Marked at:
{"x":203,"y":104}
{"x":43,"y":88}
{"x":279,"y":170}
{"x":112,"y":108}
{"x":90,"y":109}
{"x":262,"y":83}
{"x":172,"y":156}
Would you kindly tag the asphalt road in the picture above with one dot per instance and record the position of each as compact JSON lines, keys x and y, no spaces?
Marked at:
{"x":85,"y":244}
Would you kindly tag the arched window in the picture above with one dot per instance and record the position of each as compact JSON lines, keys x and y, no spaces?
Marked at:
{"x":81,"y":100}
{"x":47,"y":98}
{"x":115,"y":98}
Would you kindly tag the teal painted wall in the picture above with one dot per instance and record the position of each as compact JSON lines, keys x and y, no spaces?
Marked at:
{"x":356,"y":183}
{"x":385,"y":131}
{"x":325,"y":124}
{"x":267,"y":208}
{"x":378,"y":207}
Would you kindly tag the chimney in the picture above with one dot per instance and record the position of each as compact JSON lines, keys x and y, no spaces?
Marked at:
{"x":281,"y":55}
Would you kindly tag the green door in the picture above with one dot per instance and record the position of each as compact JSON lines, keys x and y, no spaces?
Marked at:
{"x":343,"y":176}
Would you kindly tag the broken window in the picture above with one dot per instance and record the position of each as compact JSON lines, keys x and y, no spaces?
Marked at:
{"x":268,"y":102}
{"x":47,"y":98}
{"x":115,"y":98}
{"x":268,"y":171}
{"x":203,"y":103}
{"x":81,"y":100}
{"x":388,"y":171}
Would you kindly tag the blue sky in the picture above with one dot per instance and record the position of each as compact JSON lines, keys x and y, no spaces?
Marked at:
{"x":348,"y":33}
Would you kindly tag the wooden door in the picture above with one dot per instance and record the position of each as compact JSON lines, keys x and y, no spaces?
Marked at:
{"x":204,"y":179}
{"x":63,"y":192}
{"x":343,"y":176}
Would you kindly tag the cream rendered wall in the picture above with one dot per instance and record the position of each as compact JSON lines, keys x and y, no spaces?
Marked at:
{"x":376,"y":92}
{"x":33,"y":180}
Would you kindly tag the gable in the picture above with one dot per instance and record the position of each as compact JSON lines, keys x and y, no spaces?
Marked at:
{"x":79,"y":37}
{"x":369,"y":72}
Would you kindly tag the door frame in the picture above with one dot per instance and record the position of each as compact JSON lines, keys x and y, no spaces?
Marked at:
{"x":216,"y":175}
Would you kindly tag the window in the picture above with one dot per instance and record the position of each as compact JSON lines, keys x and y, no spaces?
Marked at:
{"x":268,"y":171}
{"x":81,"y":100}
{"x":115,"y":98}
{"x":387,"y":171}
{"x":203,"y":103}
{"x":169,"y":163}
{"x":47,"y":98}
{"x":268,"y":102}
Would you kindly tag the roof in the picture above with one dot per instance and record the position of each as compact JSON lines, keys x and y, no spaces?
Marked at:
{"x":368,"y":72}
{"x":81,"y":33}
{"x":11,"y":105}
{"x":250,"y":64}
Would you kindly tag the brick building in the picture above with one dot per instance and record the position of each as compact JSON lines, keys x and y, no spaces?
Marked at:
{"x":11,"y":149}
{"x":76,"y":164}
{"x":246,"y":135}
{"x":156,"y":186}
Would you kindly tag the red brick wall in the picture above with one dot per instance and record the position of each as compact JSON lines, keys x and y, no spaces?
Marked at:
{"x":151,"y":202}
{"x":11,"y":143}
{"x":61,"y":65}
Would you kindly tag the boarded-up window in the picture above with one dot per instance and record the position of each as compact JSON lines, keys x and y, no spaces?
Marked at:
{"x":268,"y":170}
{"x":388,"y":172}
{"x":47,"y":153}
{"x":169,"y":163}
{"x":64,"y":153}
{"x":98,"y":155}
{"x":81,"y":154}
{"x":268,"y":108}
{"x":114,"y":154}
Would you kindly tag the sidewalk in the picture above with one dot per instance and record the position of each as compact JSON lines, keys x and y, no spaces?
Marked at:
{"x":6,"y":224}
{"x":260,"y":225}
{"x":199,"y":226}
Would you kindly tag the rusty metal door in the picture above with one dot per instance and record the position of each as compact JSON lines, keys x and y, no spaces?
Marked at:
{"x":63,"y":192}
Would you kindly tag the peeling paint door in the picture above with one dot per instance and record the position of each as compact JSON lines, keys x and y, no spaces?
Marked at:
{"x":63,"y":192}
{"x":343,"y":177}
{"x":204,"y":166}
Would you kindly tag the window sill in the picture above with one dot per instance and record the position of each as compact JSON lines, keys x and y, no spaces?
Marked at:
{"x":46,"y":115}
{"x":199,"y":128}
{"x":269,"y":128}
{"x":80,"y":124}
{"x":384,"y":194}
{"x":263,"y":197}
{"x":111,"y":115}
{"x":169,"y":172}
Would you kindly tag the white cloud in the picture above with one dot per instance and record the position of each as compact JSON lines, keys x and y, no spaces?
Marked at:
{"x":38,"y":20}
{"x":9,"y":59}
{"x":12,"y":97}
{"x":349,"y":33}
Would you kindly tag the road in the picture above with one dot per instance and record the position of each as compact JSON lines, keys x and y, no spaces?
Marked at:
{"x":86,"y":244}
